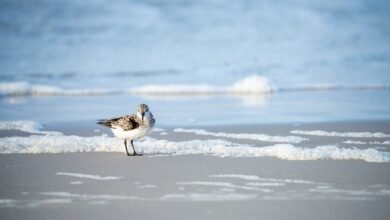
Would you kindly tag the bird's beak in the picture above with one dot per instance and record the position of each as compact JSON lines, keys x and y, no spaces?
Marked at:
{"x":143,"y":114}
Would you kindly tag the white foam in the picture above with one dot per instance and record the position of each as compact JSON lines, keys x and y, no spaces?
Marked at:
{"x":332,"y":87}
{"x":221,"y":148}
{"x":342,"y":134}
{"x":245,"y":136}
{"x":238,"y":176}
{"x":210,"y":197}
{"x":290,"y":152}
{"x":27,"y":89}
{"x":359,"y":192}
{"x":364,"y":142}
{"x":354,"y":142}
{"x":90,"y":196}
{"x":89,"y":176}
{"x":205,"y":197}
{"x":26,"y":126}
{"x":265,"y":184}
{"x":58,"y":144}
{"x":12,"y":203}
{"x":225,"y":185}
{"x":272,"y":180}
{"x":254,"y":84}
{"x":76,"y":183}
{"x":251,"y":85}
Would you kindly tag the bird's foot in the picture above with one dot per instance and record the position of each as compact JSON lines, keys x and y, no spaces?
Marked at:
{"x":136,"y":154}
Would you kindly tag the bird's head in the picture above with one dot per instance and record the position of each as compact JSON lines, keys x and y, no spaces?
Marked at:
{"x":142,"y":109}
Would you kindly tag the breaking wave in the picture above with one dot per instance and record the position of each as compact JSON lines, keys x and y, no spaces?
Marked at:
{"x":247,"y":86}
{"x":250,"y":85}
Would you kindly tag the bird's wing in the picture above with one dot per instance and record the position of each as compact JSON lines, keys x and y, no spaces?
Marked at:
{"x":127,"y":122}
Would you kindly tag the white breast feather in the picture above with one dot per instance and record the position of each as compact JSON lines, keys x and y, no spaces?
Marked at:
{"x":134,"y":134}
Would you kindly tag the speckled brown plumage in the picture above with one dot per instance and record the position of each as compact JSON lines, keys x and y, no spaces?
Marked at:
{"x":127,"y":122}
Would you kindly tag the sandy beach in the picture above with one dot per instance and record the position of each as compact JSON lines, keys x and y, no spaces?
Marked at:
{"x":261,"y":109}
{"x":99,"y":185}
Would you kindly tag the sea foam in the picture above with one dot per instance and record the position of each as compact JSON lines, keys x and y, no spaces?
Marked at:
{"x":208,"y":197}
{"x":368,"y":142}
{"x":89,"y":176}
{"x":245,"y":136}
{"x":220,"y":148}
{"x":250,"y":85}
{"x":342,"y":134}
{"x":277,"y":182}
{"x":26,"y":126}
{"x":26,"y":89}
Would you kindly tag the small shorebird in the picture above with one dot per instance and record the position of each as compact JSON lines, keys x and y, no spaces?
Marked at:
{"x":131,"y":127}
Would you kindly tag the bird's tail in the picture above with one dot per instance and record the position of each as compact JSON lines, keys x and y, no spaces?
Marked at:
{"x":104,"y":122}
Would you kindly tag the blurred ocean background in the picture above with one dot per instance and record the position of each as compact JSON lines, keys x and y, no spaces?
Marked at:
{"x":204,"y":62}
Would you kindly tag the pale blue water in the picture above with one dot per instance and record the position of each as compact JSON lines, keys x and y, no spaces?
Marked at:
{"x":122,"y":44}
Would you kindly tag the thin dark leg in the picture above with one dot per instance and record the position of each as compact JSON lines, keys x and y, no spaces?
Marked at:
{"x":135,"y":153}
{"x":127,"y":152}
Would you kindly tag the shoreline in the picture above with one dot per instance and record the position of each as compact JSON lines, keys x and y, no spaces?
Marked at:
{"x":347,"y":125}
{"x":369,"y":141}
{"x":198,"y":171}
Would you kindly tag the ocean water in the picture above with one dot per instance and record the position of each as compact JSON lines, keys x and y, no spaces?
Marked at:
{"x":207,"y":62}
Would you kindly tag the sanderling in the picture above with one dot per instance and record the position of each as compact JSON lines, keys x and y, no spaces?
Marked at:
{"x":131,"y":127}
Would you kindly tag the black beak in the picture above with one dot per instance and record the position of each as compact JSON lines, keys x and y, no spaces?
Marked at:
{"x":143,"y":114}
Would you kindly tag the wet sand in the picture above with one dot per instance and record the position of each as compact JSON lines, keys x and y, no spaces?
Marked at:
{"x":178,"y":187}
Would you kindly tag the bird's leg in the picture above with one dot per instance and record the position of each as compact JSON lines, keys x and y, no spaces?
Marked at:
{"x":126,"y":148}
{"x":134,"y":153}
